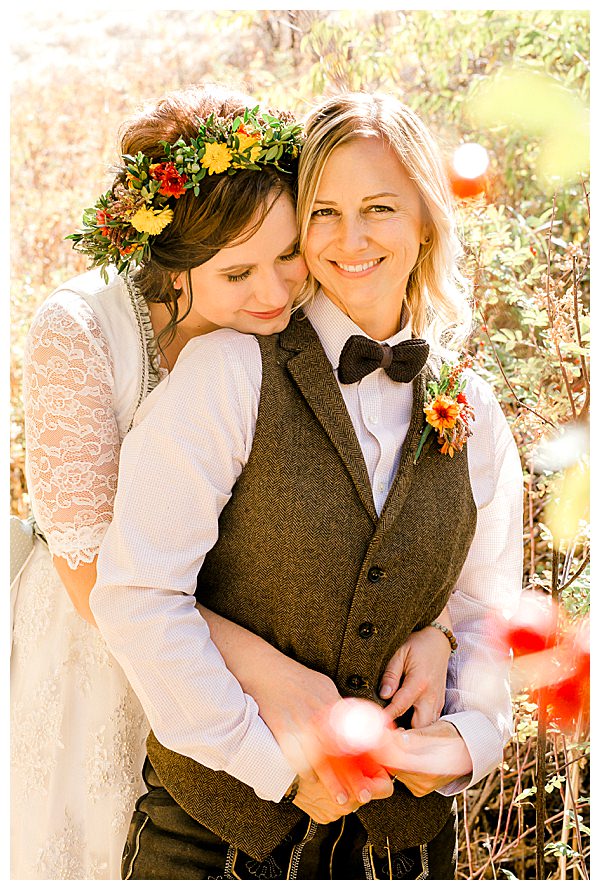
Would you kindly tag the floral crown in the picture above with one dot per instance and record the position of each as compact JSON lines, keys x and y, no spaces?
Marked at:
{"x":119,"y":228}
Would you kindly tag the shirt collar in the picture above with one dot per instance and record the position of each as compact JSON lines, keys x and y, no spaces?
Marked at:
{"x":333,"y":326}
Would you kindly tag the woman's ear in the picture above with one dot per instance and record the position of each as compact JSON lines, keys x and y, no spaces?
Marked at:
{"x":179,"y":281}
{"x":426,"y":233}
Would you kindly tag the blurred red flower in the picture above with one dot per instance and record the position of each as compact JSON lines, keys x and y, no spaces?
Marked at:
{"x":533,"y":626}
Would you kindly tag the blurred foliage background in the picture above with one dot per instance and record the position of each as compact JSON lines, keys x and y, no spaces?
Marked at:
{"x":515,"y":82}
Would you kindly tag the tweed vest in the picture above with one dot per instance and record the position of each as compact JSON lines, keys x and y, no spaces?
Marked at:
{"x":304,"y":560}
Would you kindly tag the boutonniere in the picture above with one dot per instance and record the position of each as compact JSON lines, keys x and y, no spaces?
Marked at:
{"x":447,"y":410}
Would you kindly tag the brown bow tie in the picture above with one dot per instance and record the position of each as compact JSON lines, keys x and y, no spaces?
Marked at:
{"x":361,"y":356}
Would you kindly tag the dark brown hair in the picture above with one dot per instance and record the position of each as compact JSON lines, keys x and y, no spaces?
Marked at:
{"x":228,"y":210}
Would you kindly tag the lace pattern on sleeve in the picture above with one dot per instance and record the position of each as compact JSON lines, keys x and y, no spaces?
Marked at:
{"x":71,"y":430}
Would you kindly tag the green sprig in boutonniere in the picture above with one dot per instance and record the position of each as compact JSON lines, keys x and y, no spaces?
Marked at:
{"x":447,"y":410}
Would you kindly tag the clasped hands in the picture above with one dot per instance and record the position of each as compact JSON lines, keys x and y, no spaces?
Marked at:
{"x":424,"y":758}
{"x":332,"y":786}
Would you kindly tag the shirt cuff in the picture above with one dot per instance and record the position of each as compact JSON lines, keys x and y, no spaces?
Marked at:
{"x":483,"y":743}
{"x":259,"y":762}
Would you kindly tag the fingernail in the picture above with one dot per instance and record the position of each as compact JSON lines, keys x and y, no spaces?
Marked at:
{"x":364,"y":796}
{"x":342,"y":798}
{"x":385,"y":691}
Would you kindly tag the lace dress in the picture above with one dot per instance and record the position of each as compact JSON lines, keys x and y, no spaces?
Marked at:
{"x":77,"y":729}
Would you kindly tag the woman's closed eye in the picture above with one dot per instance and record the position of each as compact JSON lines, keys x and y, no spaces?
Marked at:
{"x":288,"y":257}
{"x":241,"y":277}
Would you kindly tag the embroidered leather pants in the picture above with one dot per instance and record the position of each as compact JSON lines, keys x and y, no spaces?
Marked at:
{"x":164,"y":843}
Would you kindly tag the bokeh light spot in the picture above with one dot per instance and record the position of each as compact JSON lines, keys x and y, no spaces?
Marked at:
{"x":470,"y":160}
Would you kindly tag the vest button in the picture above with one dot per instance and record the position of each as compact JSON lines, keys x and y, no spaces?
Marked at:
{"x":356,"y":682}
{"x":375,"y":574}
{"x":366,"y":630}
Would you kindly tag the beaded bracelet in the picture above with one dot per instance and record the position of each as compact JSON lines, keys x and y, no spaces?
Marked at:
{"x":447,"y":633}
{"x":290,"y":795}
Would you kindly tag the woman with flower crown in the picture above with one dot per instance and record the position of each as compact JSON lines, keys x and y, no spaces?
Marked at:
{"x":335,"y":485}
{"x":203,"y":202}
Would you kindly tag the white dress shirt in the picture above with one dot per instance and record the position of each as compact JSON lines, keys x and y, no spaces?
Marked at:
{"x":178,"y":466}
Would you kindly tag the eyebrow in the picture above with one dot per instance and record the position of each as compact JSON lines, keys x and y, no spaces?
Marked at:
{"x":366,"y":198}
{"x":238,"y":266}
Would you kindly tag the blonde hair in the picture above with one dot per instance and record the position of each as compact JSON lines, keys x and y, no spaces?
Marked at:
{"x":437,"y":295}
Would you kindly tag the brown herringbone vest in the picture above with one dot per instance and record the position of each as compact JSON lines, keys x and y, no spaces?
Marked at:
{"x":303,"y":560}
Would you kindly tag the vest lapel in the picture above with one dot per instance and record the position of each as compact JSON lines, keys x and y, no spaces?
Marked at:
{"x":313,"y":374}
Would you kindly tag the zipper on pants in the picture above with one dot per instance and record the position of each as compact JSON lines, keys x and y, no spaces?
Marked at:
{"x":298,"y":848}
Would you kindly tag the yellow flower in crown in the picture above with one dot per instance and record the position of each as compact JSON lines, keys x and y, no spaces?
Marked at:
{"x":217,"y":158}
{"x":151,"y":221}
{"x":251,"y":142}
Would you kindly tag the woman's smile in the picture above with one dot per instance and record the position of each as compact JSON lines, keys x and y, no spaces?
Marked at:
{"x":274,"y":313}
{"x":357,"y":269}
{"x":366,"y":229}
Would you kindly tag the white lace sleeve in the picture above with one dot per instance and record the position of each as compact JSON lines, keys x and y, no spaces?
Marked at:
{"x":71,"y":430}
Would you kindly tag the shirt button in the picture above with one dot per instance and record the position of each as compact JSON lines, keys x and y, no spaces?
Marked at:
{"x":381,"y":487}
{"x":356,"y":682}
{"x":366,"y":630}
{"x":373,"y":419}
{"x":375,"y":574}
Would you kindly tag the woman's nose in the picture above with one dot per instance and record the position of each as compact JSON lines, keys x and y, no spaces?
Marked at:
{"x":352,"y":234}
{"x":275,"y":290}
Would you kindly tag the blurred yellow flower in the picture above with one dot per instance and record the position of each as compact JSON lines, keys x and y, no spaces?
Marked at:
{"x":217,"y":158}
{"x":570,"y":505}
{"x":151,"y":221}
{"x":540,"y":105}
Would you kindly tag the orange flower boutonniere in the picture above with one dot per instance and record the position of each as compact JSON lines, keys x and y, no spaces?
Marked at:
{"x":447,"y":410}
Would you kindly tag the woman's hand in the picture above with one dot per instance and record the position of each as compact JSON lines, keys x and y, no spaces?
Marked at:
{"x":426,"y":759}
{"x":416,"y":675}
{"x":293,"y":701}
{"x":314,"y":799}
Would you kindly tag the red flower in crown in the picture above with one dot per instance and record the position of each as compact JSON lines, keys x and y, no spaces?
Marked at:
{"x":172,"y":183}
{"x":101,"y":218}
{"x":245,"y":130}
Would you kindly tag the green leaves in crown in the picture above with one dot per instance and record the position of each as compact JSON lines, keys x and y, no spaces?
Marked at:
{"x":118,"y":229}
